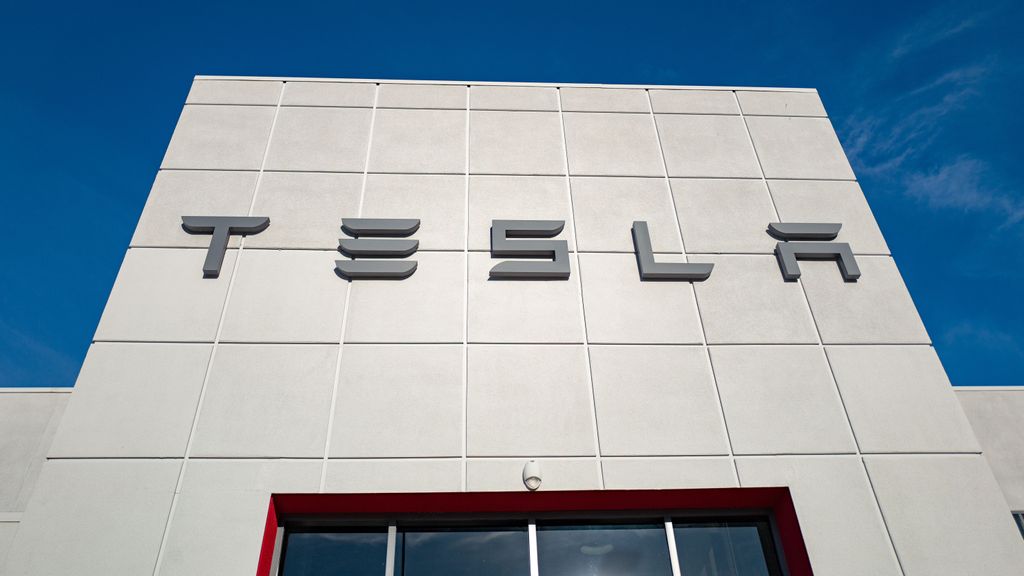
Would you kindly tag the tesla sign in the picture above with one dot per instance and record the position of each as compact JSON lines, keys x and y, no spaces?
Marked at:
{"x":380,"y":248}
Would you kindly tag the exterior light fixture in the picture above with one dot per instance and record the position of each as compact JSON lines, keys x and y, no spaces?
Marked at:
{"x":531,"y":475}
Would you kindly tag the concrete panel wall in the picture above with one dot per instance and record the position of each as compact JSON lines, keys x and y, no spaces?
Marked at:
{"x":28,"y":421}
{"x":997,"y":417}
{"x":281,"y":376}
{"x":8,"y":528}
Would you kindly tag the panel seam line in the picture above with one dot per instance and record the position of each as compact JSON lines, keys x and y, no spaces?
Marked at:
{"x":348,"y":302}
{"x":821,"y":345}
{"x":158,"y":564}
{"x":693,"y":289}
{"x":582,"y":306}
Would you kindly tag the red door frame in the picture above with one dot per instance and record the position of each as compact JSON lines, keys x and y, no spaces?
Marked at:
{"x":777,"y":501}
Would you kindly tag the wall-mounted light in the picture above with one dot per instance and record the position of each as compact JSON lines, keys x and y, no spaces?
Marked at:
{"x":531,"y":475}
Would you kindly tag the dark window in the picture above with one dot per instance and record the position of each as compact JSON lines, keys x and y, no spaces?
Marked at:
{"x":725,"y":549}
{"x":561,"y":547}
{"x":462,"y":552}
{"x":596,"y":549}
{"x":339,"y":553}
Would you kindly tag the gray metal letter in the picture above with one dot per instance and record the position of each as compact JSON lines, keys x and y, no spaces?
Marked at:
{"x":803,"y":231}
{"x":651,"y":270}
{"x":386,"y":227}
{"x":221,"y":227}
{"x":789,"y":252}
{"x":379,"y":248}
{"x":502,"y":232}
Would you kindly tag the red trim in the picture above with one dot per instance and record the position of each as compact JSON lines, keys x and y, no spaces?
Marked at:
{"x":269,"y":542}
{"x":791,"y":538}
{"x":777,"y":500}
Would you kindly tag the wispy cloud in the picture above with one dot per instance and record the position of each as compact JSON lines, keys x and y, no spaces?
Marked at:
{"x":881,"y":139}
{"x":964,"y":76}
{"x":943,"y":23}
{"x":962,"y":185}
{"x":898,"y":139}
{"x":25,"y":361}
{"x":983,"y":336}
{"x":894,"y":143}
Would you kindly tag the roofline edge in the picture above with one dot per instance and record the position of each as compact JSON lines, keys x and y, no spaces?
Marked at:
{"x":519,"y":84}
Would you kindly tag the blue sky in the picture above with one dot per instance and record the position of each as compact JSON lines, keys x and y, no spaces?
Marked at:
{"x":924,"y":96}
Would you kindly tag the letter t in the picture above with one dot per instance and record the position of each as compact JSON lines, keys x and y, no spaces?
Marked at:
{"x":221,"y":227}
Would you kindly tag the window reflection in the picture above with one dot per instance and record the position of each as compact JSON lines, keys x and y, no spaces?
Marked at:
{"x":705,"y":547}
{"x":721,"y":550}
{"x":603,"y":550}
{"x":463,"y":552}
{"x":335,"y":553}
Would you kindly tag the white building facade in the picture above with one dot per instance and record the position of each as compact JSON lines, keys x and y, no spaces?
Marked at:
{"x":303,"y":404}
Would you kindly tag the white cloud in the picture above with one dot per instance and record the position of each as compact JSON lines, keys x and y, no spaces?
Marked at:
{"x":894,"y":140}
{"x":943,"y":23}
{"x":963,"y":185}
{"x":964,"y":76}
{"x":880,"y":141}
{"x":955,"y":185}
{"x":990,"y":338}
